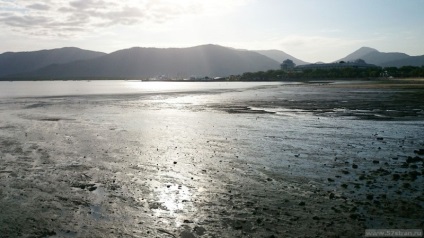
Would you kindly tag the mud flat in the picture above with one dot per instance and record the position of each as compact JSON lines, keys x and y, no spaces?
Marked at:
{"x":303,"y":160}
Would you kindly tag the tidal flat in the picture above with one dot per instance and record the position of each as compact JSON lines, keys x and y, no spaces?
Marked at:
{"x":317,"y":159}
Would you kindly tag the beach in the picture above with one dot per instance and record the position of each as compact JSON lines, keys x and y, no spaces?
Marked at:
{"x":311,"y":159}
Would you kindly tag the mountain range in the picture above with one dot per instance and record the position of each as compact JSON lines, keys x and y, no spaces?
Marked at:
{"x":24,"y":62}
{"x":392,"y":59}
{"x":137,"y":62}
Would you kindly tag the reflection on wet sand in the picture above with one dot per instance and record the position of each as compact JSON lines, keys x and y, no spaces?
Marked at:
{"x":292,"y":160}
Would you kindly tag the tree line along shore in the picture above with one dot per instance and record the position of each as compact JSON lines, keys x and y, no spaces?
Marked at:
{"x":335,"y":73}
{"x":276,"y":75}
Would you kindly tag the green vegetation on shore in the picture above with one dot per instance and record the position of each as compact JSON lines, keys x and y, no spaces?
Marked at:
{"x":336,"y":73}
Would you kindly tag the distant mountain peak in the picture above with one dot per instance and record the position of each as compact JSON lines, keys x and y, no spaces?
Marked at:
{"x":366,"y":49}
{"x":359,"y":54}
{"x":373,"y":56}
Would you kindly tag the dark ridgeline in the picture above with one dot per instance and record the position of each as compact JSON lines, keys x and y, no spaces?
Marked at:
{"x":201,"y":61}
{"x":22,"y":62}
{"x":279,"y":56}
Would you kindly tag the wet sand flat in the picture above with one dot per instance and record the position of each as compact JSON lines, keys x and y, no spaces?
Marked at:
{"x":292,"y":160}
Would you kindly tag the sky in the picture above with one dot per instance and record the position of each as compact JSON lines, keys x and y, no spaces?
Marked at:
{"x":311,"y":30}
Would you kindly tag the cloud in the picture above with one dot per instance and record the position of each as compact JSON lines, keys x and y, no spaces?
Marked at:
{"x":38,"y":6}
{"x":88,"y":4}
{"x":63,"y":18}
{"x":23,"y":21}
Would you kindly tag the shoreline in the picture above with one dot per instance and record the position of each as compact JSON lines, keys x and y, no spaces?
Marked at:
{"x":218,"y":80}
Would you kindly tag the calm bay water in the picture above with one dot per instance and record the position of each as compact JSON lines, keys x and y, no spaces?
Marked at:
{"x":67,"y":88}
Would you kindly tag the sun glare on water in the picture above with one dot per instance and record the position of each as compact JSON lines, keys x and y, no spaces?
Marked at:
{"x":153,"y":86}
